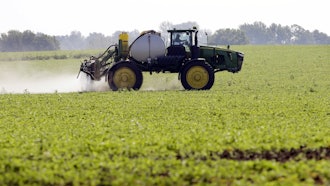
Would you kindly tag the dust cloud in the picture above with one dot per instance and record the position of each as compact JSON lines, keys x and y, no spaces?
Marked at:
{"x":50,"y":83}
{"x":161,"y":81}
{"x":19,"y":79}
{"x":25,"y":78}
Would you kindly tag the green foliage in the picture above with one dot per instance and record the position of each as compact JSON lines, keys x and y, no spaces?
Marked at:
{"x":279,"y":101}
{"x":15,"y":41}
{"x":228,"y":37}
{"x":259,"y":33}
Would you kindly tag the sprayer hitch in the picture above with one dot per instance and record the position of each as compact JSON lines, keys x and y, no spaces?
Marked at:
{"x":96,"y":67}
{"x":86,"y":67}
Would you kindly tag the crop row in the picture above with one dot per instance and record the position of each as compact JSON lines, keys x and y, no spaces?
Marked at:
{"x":268,"y":124}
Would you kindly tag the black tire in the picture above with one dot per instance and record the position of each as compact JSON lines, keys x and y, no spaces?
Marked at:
{"x":125,"y":75}
{"x":197,"y":75}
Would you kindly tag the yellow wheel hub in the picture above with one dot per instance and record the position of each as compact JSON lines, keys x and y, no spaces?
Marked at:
{"x":197,"y":77}
{"x":124,"y":78}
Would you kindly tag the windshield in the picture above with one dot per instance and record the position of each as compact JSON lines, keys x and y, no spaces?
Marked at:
{"x":181,"y":38}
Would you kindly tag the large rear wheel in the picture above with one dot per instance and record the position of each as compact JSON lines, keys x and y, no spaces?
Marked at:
{"x":125,"y":75}
{"x":197,"y":75}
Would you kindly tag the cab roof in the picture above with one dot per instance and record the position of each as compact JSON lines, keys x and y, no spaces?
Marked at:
{"x":182,"y":30}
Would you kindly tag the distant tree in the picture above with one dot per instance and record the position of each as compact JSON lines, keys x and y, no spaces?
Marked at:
{"x":228,"y":37}
{"x":74,"y":41}
{"x":259,"y":33}
{"x":44,"y":42}
{"x":164,"y":26}
{"x":15,"y":41}
{"x":133,"y":35}
{"x":97,"y":41}
{"x":186,"y":25}
{"x":256,"y":33}
{"x":28,"y":40}
{"x":301,"y":36}
{"x":279,"y":34}
{"x":77,"y":40}
{"x":12,"y":41}
{"x":321,"y":38}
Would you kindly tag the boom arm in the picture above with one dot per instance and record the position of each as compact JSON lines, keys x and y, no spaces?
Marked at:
{"x":96,"y":67}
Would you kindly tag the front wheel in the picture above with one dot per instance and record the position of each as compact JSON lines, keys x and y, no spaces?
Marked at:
{"x":125,"y":75}
{"x":197,"y":75}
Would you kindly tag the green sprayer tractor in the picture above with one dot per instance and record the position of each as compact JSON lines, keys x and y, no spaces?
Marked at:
{"x":122,"y":65}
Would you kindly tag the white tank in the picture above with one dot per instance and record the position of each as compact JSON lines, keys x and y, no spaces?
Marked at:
{"x":148,"y":45}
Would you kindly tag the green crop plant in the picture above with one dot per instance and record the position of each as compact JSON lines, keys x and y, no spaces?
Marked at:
{"x":267,"y":125}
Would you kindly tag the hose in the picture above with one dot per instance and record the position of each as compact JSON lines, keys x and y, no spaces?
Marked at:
{"x":106,"y":51}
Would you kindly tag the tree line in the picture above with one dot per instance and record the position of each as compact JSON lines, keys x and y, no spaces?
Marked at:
{"x":27,"y":41}
{"x":259,"y":33}
{"x":256,"y":33}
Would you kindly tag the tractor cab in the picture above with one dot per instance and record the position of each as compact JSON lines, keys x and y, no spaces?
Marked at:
{"x":183,"y":42}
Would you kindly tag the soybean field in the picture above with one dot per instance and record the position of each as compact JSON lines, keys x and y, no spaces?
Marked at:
{"x":269,"y":124}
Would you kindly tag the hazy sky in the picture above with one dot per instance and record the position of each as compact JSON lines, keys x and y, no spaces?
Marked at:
{"x":60,"y":17}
